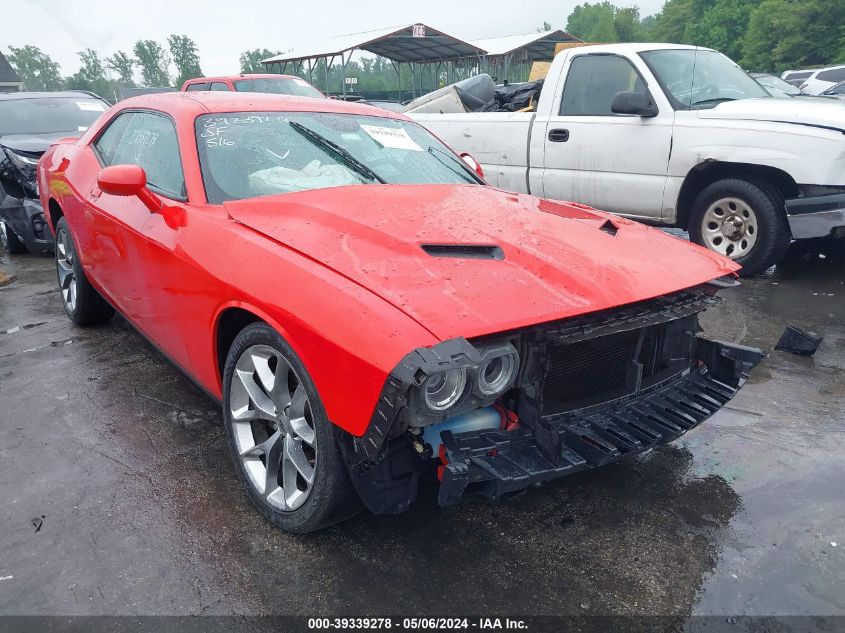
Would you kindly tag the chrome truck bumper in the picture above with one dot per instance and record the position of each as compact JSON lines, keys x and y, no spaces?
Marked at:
{"x":817,"y":216}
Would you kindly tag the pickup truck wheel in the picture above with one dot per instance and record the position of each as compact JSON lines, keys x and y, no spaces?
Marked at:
{"x":284,"y":448}
{"x":741,"y":219}
{"x":11,"y":244}
{"x":81,"y":301}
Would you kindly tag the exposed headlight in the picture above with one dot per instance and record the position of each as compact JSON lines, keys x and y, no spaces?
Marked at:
{"x":443,"y":389}
{"x":496,"y":374}
{"x":21,"y":160}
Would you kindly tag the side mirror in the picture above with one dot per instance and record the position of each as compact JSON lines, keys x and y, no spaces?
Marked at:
{"x":635,"y":103}
{"x":128,"y":180}
{"x":473,"y":164}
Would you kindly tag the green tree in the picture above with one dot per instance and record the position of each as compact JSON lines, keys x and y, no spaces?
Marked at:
{"x":605,"y":22}
{"x":784,"y":34}
{"x":251,"y":60}
{"x":185,"y":57}
{"x":720,"y":25}
{"x":545,"y":28}
{"x":36,"y":69}
{"x":153,"y":61}
{"x":671,"y":23}
{"x":91,"y":75}
{"x":593,"y":22}
{"x":123,"y":66}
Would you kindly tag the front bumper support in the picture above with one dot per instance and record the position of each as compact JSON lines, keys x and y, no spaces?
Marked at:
{"x":21,"y":215}
{"x":496,"y":463}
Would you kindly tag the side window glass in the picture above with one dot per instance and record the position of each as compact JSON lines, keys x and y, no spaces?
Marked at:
{"x":836,"y":75}
{"x":108,"y":140}
{"x":149,"y":141}
{"x":194,"y":87}
{"x":219,"y":85}
{"x":593,"y":81}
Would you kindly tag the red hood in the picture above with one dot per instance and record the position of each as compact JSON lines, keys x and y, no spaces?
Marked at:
{"x":557,"y":263}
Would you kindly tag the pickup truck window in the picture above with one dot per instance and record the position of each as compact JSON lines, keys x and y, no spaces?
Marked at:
{"x":697,"y":79}
{"x":593,"y":81}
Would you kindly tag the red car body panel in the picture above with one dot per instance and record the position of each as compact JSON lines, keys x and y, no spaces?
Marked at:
{"x":557,"y":263}
{"x":340,"y":272}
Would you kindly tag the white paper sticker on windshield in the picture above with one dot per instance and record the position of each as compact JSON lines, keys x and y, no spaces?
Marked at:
{"x":300,"y":82}
{"x":392,"y":137}
{"x":91,"y":106}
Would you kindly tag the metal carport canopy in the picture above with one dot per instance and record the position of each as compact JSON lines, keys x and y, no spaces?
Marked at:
{"x":540,"y":46}
{"x":395,"y":43}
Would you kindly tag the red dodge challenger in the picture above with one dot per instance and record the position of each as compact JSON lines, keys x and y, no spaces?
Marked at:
{"x":364,"y":305}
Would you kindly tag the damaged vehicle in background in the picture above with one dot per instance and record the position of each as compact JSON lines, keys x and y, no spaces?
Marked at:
{"x":29,"y":123}
{"x":671,"y":135}
{"x":365,"y":307}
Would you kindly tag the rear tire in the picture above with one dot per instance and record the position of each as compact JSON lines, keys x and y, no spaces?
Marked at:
{"x":744,"y":219}
{"x":10,"y":241}
{"x":284,"y":447}
{"x":83,"y":304}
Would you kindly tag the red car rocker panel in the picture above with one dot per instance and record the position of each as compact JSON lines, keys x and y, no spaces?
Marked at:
{"x":362,"y":303}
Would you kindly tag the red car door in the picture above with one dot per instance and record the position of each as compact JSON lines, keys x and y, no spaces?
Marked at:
{"x":137,"y":267}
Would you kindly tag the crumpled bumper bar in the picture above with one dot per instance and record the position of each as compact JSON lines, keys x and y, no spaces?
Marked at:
{"x":590,"y":389}
{"x":496,"y":463}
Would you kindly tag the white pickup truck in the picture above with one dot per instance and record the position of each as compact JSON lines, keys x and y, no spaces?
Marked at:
{"x":671,"y":135}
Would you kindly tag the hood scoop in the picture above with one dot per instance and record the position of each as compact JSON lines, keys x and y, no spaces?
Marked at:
{"x":609,"y":227}
{"x":464,"y":251}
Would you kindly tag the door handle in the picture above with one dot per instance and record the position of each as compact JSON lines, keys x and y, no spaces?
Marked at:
{"x":558,"y":135}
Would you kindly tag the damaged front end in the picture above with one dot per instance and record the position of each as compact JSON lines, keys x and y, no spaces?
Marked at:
{"x":20,"y":209}
{"x":510,"y":411}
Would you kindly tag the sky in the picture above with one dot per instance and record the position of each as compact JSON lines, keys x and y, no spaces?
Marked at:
{"x":222,"y":29}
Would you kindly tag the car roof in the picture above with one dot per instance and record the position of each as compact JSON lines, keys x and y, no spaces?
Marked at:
{"x":64,"y":94}
{"x":242,"y":76}
{"x":639,"y":47}
{"x":198,"y":103}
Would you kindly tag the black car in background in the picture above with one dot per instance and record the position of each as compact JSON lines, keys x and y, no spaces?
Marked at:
{"x":29,"y":123}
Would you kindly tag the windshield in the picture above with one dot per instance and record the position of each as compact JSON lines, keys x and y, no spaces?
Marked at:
{"x":48,"y":115}
{"x":776,"y":86}
{"x":280,"y":86}
{"x":838,"y":89}
{"x":247,"y":155}
{"x":697,"y":79}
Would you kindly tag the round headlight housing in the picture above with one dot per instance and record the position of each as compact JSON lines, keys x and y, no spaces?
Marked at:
{"x":496,"y":373}
{"x":443,"y":389}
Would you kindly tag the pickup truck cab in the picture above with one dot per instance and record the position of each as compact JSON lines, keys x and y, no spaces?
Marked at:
{"x":671,"y":135}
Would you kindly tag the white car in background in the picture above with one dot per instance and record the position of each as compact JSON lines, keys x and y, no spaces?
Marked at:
{"x":837,"y":91}
{"x":822,"y":79}
{"x":796,"y":77}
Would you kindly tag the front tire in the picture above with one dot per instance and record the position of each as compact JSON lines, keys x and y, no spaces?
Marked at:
{"x":282,"y":443}
{"x":81,"y":301}
{"x":10,"y":241}
{"x":744,"y":220}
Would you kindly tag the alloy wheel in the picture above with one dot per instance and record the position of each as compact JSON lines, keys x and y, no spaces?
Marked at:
{"x":273,"y":427}
{"x":729,"y":226}
{"x":67,"y":273}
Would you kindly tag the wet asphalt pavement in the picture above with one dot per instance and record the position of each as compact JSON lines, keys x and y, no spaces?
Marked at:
{"x":117,"y":495}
